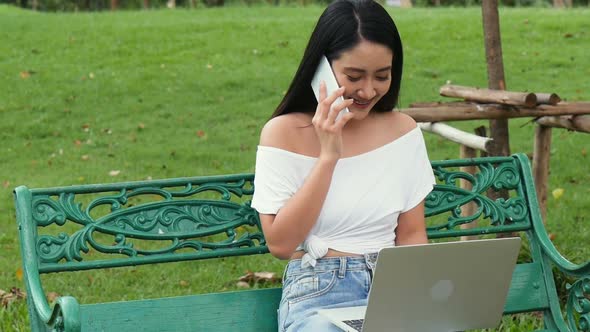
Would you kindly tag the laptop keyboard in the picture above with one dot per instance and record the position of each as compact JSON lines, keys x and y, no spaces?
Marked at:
{"x":356,"y":324}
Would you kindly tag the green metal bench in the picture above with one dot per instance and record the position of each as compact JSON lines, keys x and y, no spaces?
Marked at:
{"x":205,"y":217}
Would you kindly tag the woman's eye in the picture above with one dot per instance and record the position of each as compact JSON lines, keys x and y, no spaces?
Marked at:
{"x":353,"y":79}
{"x":383,"y":78}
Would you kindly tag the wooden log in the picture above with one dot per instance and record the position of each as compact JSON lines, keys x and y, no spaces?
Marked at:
{"x":489,"y":96}
{"x":541,"y":156}
{"x":577,"y":123}
{"x":440,"y":103}
{"x":547,"y":98}
{"x":482,"y":132}
{"x":469,"y":208}
{"x":490,"y":111}
{"x":458,"y":136}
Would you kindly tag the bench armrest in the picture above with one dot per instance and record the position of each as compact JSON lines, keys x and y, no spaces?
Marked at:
{"x":562,"y":263}
{"x":577,"y":307}
{"x":65,"y":314}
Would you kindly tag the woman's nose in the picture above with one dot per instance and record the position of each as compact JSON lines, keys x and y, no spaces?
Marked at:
{"x":367,"y":91}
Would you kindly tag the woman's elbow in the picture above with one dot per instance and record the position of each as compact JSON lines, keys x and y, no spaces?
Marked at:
{"x":280,"y":251}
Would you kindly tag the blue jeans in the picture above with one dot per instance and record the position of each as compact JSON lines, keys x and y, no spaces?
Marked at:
{"x":334,"y":282}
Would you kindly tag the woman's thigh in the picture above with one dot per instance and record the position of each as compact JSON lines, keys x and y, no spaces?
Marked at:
{"x":305,"y":293}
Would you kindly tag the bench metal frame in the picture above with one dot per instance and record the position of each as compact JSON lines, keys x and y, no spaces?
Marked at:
{"x":207,"y":217}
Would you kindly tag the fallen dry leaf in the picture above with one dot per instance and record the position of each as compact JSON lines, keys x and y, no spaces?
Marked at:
{"x":8,"y":297}
{"x":557,"y":193}
{"x":114,"y":172}
{"x":19,"y":274}
{"x":52,"y":296}
{"x":259,"y":277}
{"x":183,"y":283}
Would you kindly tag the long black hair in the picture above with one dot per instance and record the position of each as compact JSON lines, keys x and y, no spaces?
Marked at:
{"x":342,"y":26}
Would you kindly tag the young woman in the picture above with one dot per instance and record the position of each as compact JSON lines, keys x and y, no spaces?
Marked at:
{"x":331,"y":194}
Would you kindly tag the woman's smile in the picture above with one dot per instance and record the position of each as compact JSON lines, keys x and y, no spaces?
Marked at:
{"x":362,"y":104}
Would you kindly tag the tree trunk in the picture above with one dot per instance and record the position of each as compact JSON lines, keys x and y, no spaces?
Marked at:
{"x":495,"y":66}
{"x":541,"y":158}
{"x":470,"y":208}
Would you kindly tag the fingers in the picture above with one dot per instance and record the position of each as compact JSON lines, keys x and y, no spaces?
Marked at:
{"x":340,"y":108}
{"x":326,"y":102}
{"x":325,"y":105}
{"x":328,"y":129}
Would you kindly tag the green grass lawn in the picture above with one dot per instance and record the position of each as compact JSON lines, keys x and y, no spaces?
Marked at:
{"x":158,"y":94}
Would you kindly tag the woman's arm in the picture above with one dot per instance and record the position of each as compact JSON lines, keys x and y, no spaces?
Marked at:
{"x":289,"y":227}
{"x":411,"y":227}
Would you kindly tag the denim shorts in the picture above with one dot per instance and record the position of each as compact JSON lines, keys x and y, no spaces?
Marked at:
{"x":333,"y":282}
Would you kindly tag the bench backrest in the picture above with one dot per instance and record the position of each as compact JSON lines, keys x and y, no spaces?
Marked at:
{"x":159,"y":221}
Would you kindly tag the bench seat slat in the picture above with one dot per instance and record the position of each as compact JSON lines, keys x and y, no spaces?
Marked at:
{"x":250,"y":310}
{"x":527,"y":290}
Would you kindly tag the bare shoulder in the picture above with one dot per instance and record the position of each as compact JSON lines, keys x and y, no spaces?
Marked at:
{"x":284,"y":131}
{"x":399,"y":123}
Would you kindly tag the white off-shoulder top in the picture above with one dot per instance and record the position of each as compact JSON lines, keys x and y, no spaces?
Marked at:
{"x":366,"y":195}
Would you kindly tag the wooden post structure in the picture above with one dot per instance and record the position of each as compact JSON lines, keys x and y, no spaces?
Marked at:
{"x":495,"y":65}
{"x":541,"y":156}
{"x":469,"y":208}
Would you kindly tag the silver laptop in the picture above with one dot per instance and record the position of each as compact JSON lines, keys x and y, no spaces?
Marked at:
{"x":439,"y":287}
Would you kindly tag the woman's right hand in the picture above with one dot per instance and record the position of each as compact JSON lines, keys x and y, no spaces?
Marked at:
{"x":328,"y":130}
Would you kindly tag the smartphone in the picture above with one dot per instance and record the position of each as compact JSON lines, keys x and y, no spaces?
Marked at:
{"x":324,"y":73}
